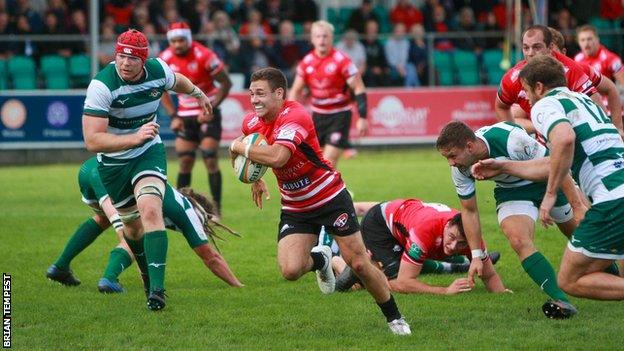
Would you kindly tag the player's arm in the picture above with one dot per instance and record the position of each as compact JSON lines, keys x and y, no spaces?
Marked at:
{"x":184,"y":85}
{"x":535,"y":170}
{"x":472,"y":228}
{"x":491,"y":279}
{"x":297,"y":89}
{"x":361,"y":100}
{"x":561,"y":137}
{"x":225,"y":84}
{"x":407,"y":282}
{"x":97,"y":139}
{"x":503,"y":111}
{"x":608,"y":89}
{"x":274,"y":156}
{"x":520,"y":118}
{"x":167,"y":103}
{"x":597,"y":99}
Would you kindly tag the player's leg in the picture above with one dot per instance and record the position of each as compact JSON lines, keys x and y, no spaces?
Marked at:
{"x":517,"y":221}
{"x":120,"y":257}
{"x":332,"y":154}
{"x":294,"y":257}
{"x":210,"y":135}
{"x":185,"y":150}
{"x":582,"y":276}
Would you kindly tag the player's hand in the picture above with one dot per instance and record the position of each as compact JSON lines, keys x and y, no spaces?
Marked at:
{"x":234,"y":154}
{"x":362,"y":126}
{"x":177,"y":125}
{"x":147,"y":132}
{"x":486,"y":169}
{"x":258,"y":189}
{"x":460,"y":285}
{"x":578,"y":212}
{"x":548,"y":202}
{"x":476,"y":266}
{"x":206,"y":106}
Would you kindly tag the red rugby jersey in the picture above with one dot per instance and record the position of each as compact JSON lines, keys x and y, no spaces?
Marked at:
{"x":200,"y":65}
{"x":424,"y":225}
{"x":605,"y":62}
{"x":326,"y":78}
{"x":307,"y":181}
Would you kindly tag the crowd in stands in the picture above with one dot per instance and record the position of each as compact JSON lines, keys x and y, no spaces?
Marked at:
{"x":386,"y":39}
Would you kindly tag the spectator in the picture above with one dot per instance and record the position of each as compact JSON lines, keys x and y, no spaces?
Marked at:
{"x":304,"y":11}
{"x":406,"y":13}
{"x":494,"y":41}
{"x":255,"y":26}
{"x":465,"y":24}
{"x":52,"y":26}
{"x":120,"y":10}
{"x":140,"y":17}
{"x":22,"y":27}
{"x":429,"y":12}
{"x":198,"y":14}
{"x":5,"y":29}
{"x":254,"y":56}
{"x":244,"y":8}
{"x":23,"y":8}
{"x":274,"y":12}
{"x":611,"y":9}
{"x":285,"y":52}
{"x":360,"y":16}
{"x":78,"y":26}
{"x":168,"y":14}
{"x":59,"y":8}
{"x":377,"y":70}
{"x":566,"y":24}
{"x":351,"y":46}
{"x":226,"y":42}
{"x":440,"y":24}
{"x":418,"y":57}
{"x":397,"y":51}
{"x":106,"y":53}
{"x":155,"y":46}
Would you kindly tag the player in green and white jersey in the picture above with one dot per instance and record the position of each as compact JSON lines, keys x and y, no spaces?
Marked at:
{"x":184,"y":211}
{"x":119,"y":123}
{"x":517,"y":200}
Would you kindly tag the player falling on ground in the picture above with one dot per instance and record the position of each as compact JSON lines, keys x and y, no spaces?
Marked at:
{"x":185,"y":211}
{"x":312,"y":191}
{"x":404,"y":235}
{"x":536,"y":40}
{"x":330,"y":75}
{"x":517,"y":200}
{"x":119,"y":123}
{"x":582,"y":140}
{"x":195,"y":130}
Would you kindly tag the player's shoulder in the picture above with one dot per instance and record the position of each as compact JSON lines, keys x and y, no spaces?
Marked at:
{"x":105,"y":79}
{"x":167,"y":55}
{"x":250,"y":121}
{"x":294,"y":110}
{"x":308,"y":58}
{"x":580,"y":57}
{"x":339,"y":56}
{"x":511,"y":76}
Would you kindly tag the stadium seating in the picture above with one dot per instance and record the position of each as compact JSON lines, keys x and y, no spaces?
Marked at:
{"x":491,"y":64}
{"x":79,"y":71}
{"x":612,"y":42}
{"x":467,"y":67}
{"x":443,"y":63}
{"x":54,"y":70}
{"x":4,"y":81}
{"x":22,"y":72}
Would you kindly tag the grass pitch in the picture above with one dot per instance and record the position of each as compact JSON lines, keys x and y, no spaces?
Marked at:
{"x":41,"y":207}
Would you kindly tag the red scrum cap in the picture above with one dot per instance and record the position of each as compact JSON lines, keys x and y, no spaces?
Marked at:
{"x":179,"y":29}
{"x":134,"y":43}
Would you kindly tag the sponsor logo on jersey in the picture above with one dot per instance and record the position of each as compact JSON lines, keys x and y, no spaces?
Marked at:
{"x":341,"y":221}
{"x":296,"y":185}
{"x":192,"y":66}
{"x":330,"y":68}
{"x":155,"y":93}
{"x":287,"y":134}
{"x":252,"y":122}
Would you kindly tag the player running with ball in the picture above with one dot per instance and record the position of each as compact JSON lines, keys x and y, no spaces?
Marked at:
{"x":312,"y":191}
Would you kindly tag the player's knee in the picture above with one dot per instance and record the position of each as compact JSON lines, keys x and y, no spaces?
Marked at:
{"x":150,"y":213}
{"x":359,"y":264}
{"x":208,"y":154}
{"x":520,"y":243}
{"x":565,"y":283}
{"x":290,"y":272}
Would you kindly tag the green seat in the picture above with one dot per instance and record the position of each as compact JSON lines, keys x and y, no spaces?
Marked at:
{"x":443,"y":63}
{"x":22,"y":72}
{"x":492,"y":66}
{"x":54,"y":70}
{"x":4,"y":74}
{"x":80,"y":70}
{"x":612,"y":42}
{"x":467,"y":67}
{"x":385,"y":26}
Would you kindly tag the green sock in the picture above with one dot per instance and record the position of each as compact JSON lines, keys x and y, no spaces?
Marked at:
{"x":118,"y":261}
{"x":612,"y":269}
{"x":435,"y":267}
{"x":83,"y":237}
{"x":156,"y":254}
{"x":139,"y":253}
{"x":542,"y":273}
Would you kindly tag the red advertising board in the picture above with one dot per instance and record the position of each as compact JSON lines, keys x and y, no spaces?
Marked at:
{"x":397,"y":116}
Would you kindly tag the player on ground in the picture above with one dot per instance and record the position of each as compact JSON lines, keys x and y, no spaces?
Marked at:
{"x":330,"y":76}
{"x":312,"y":191}
{"x":582,"y":140}
{"x":119,"y":123}
{"x":194,"y":129}
{"x":536,"y":40}
{"x":517,"y":200}
{"x":402,"y":235}
{"x":184,"y":211}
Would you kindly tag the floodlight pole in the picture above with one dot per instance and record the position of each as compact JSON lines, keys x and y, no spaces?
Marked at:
{"x":94,"y":33}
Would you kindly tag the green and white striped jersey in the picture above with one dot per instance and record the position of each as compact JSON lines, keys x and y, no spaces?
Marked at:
{"x":128,"y":106}
{"x":505,"y":141}
{"x":598,"y":164}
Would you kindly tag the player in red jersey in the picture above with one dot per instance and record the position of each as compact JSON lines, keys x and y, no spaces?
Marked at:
{"x":402,"y":234}
{"x":596,"y":55}
{"x":537,"y":40}
{"x":604,"y":85}
{"x":330,"y":75}
{"x":312,"y":191}
{"x":193,"y":128}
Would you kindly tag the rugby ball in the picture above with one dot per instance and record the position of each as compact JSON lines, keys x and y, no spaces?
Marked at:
{"x":248,"y":171}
